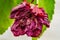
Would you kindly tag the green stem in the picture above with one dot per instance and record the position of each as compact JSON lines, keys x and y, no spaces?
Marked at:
{"x":33,"y":38}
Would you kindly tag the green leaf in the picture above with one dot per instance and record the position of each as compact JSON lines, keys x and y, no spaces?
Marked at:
{"x":5,"y":9}
{"x":48,"y":6}
{"x":33,"y":38}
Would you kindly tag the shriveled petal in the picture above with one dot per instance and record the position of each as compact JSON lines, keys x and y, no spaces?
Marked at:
{"x":18,"y":8}
{"x":34,"y":33}
{"x":31,"y":24}
{"x":28,"y":20}
{"x":18,"y":29}
{"x":46,"y":22}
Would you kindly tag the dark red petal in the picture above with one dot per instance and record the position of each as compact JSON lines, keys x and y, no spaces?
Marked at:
{"x":16,"y":9}
{"x":34,"y":33}
{"x":17,"y":28}
{"x":28,"y":20}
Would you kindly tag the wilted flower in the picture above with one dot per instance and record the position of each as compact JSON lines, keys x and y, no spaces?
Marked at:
{"x":28,"y":20}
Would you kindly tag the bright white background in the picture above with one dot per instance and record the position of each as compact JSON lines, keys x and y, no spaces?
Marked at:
{"x":53,"y":33}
